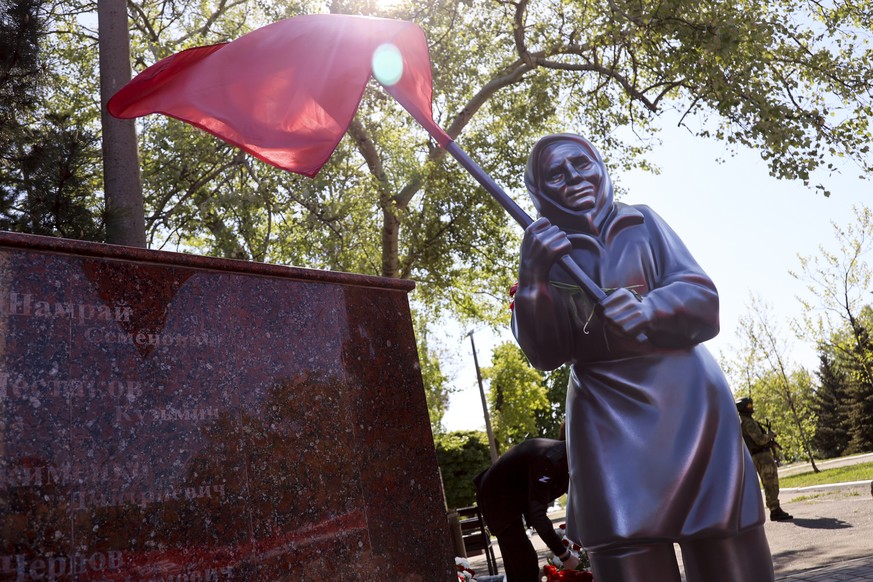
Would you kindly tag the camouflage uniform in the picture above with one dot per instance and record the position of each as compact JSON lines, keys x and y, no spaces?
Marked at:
{"x":759,"y":442}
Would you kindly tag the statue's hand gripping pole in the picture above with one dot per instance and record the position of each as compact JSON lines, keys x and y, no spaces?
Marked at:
{"x":594,"y":292}
{"x":580,"y":277}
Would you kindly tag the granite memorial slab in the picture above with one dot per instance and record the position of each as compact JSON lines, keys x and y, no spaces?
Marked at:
{"x":176,"y":418}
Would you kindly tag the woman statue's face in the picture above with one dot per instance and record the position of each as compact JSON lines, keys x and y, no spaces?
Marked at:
{"x":571,"y":176}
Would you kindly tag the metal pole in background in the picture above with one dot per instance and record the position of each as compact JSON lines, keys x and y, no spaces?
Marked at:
{"x":492,"y":445}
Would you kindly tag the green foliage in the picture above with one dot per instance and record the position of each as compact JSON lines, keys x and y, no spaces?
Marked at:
{"x":46,"y":183}
{"x":770,"y":407}
{"x":830,"y":406}
{"x":837,"y":415}
{"x":517,"y":394}
{"x":839,"y":319}
{"x":784,"y":395}
{"x":20,"y":30}
{"x":436,"y":388}
{"x":787,"y":78}
{"x":858,"y":362}
{"x":848,"y":474}
{"x":461,"y":456}
{"x":851,"y":351}
{"x":43,"y":189}
{"x":549,"y":420}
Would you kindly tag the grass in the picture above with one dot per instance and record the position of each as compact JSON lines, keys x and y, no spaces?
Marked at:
{"x":860,"y":472}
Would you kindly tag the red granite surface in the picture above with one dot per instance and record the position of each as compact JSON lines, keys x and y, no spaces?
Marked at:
{"x":170,"y":417}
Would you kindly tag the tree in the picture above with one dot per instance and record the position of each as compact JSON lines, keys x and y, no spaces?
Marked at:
{"x":768,"y":393}
{"x":516,"y":395}
{"x":794,"y":388}
{"x":856,"y":349}
{"x":787,"y":78}
{"x":837,"y":314}
{"x":436,"y":388}
{"x":20,"y":30}
{"x":125,"y":216}
{"x":861,"y":411}
{"x":461,"y":456}
{"x":45,"y":187}
{"x":829,"y":406}
{"x":549,"y":420}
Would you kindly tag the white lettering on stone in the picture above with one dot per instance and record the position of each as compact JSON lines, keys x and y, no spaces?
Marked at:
{"x":14,"y":303}
{"x":20,"y":387}
{"x":22,"y":568}
{"x":70,"y":474}
{"x":98,"y":335}
{"x":128,"y":415}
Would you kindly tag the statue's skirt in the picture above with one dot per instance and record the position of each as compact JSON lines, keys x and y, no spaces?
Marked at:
{"x":656,"y":453}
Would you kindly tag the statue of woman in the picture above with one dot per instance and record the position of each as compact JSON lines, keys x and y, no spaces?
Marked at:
{"x":655,"y":451}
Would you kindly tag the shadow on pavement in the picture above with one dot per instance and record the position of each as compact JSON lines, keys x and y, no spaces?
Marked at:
{"x":821,"y":523}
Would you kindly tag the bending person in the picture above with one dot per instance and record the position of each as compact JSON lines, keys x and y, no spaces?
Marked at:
{"x":522,"y":484}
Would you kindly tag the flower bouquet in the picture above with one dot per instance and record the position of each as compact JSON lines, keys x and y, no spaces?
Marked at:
{"x":465,"y":570}
{"x":553,"y":573}
{"x":553,"y":560}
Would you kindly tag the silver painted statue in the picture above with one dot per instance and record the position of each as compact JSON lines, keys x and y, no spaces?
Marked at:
{"x":655,"y":450}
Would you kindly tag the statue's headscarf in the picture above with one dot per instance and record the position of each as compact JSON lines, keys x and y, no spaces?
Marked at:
{"x":567,"y":219}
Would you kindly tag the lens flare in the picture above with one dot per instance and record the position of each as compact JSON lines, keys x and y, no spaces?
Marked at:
{"x":387,"y":64}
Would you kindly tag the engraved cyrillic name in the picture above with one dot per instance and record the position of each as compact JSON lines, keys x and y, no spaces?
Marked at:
{"x":96,"y":565}
{"x":15,"y":386}
{"x":70,"y":474}
{"x":88,"y":499}
{"x":21,"y":568}
{"x":127,"y":415}
{"x":98,"y":335}
{"x":28,"y":305}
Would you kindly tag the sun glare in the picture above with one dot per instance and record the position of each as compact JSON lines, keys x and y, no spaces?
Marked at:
{"x":387,"y":64}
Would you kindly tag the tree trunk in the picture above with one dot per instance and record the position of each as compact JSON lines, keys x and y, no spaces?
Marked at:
{"x":390,"y":242}
{"x":125,"y":215}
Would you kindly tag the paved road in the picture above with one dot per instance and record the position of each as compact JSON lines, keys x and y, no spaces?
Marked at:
{"x":831,"y":526}
{"x":829,"y":540}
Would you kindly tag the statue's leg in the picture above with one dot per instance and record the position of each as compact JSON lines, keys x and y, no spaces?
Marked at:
{"x":744,"y":557}
{"x":635,"y":563}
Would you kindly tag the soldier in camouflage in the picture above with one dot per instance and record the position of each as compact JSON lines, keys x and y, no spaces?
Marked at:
{"x":761,"y":442}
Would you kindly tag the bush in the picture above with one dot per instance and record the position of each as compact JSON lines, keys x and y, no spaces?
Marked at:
{"x":461,"y":456}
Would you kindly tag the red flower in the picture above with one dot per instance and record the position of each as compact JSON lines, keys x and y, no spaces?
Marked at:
{"x":552,"y":574}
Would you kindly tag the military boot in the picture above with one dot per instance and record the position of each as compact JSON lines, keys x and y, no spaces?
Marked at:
{"x":779,"y":515}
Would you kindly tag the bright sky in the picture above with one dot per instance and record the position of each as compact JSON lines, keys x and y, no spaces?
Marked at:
{"x":745,"y":229}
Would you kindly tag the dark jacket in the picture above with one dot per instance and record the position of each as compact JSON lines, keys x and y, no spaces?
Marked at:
{"x":524,"y":481}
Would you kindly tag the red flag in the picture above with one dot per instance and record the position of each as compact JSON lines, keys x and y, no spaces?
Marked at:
{"x":286,"y":92}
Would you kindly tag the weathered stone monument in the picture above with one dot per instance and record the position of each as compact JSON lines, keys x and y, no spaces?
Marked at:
{"x":172,"y":417}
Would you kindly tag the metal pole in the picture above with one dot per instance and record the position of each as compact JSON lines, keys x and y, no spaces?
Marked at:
{"x":580,"y":277}
{"x":492,"y":445}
